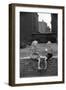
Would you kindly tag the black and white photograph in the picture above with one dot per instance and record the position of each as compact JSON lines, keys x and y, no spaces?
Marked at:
{"x":36,"y":44}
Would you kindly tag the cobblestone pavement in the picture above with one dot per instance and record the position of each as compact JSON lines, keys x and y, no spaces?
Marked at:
{"x":28,"y":67}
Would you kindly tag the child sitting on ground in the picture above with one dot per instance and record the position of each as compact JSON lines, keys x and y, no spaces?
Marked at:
{"x":35,"y":54}
{"x":48,"y":50}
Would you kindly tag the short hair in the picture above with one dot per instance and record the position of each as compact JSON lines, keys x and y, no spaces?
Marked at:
{"x":35,"y":42}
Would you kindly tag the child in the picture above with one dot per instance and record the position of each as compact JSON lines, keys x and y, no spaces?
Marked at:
{"x":35,"y":54}
{"x":34,"y":49}
{"x":49,"y":50}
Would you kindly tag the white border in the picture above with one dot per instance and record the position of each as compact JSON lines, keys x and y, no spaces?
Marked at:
{"x":19,"y":80}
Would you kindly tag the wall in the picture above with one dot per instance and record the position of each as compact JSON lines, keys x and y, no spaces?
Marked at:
{"x":4,"y":45}
{"x":28,"y":25}
{"x":54,"y":21}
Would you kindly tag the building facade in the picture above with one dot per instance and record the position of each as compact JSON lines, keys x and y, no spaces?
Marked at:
{"x":28,"y":25}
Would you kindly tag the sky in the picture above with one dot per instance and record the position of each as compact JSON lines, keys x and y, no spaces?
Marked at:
{"x":45,"y":17}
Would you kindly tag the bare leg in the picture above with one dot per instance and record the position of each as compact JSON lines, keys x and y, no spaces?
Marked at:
{"x":45,"y":65}
{"x":39,"y":63}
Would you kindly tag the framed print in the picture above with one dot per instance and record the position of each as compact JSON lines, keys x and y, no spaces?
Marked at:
{"x":36,"y":44}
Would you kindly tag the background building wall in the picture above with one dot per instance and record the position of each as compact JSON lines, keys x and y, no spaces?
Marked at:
{"x":54,"y":23}
{"x":28,"y":25}
{"x":42,"y":27}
